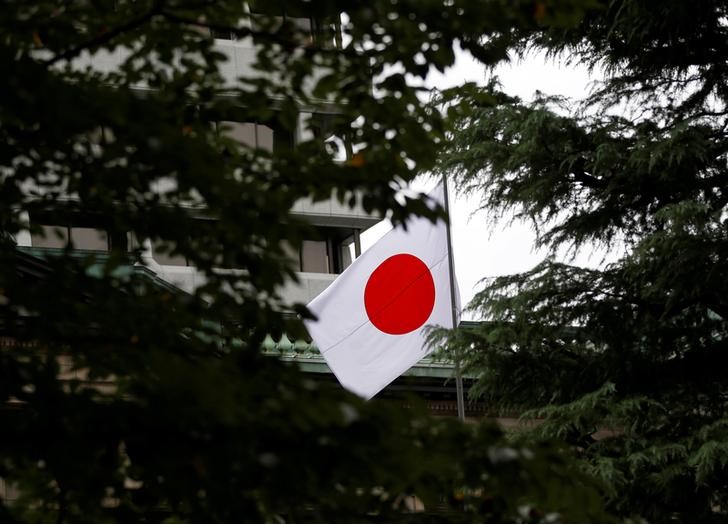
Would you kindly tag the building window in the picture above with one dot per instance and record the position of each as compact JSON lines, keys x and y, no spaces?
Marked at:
{"x":315,"y":257}
{"x":89,"y":238}
{"x":327,"y":128}
{"x":55,"y":237}
{"x":268,"y":136}
{"x":332,"y":251}
{"x":268,"y":15}
{"x":327,"y":250}
{"x":258,"y":136}
{"x":348,"y":249}
{"x":59,"y":237}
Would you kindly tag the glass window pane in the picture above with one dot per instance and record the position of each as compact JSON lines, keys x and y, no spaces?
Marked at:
{"x":242,"y":132}
{"x":50,"y":236}
{"x":89,"y":238}
{"x":347,"y":252}
{"x":265,"y":137}
{"x":292,"y":254}
{"x":314,"y":257}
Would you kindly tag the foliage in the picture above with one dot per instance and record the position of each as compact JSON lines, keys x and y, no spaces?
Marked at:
{"x":124,"y":399}
{"x":624,"y":363}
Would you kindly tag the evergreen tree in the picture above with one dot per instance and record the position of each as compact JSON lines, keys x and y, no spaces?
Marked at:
{"x":123,"y":399}
{"x":626,"y":364}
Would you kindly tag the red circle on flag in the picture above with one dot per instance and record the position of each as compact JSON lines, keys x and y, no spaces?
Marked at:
{"x":400,"y":294}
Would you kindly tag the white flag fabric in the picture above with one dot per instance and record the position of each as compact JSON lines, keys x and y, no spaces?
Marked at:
{"x":371,"y":321}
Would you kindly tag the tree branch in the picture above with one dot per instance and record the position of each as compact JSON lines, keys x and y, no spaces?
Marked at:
{"x":107,"y":36}
{"x":61,"y":516}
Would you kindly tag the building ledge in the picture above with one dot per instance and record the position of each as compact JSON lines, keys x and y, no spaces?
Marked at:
{"x":307,"y":356}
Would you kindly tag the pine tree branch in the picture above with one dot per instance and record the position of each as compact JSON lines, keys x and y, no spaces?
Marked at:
{"x":588,"y":180}
{"x":580,"y":175}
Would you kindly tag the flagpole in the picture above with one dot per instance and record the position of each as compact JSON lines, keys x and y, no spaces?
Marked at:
{"x":453,"y":304}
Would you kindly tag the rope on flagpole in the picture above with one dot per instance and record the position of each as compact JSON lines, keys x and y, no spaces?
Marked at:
{"x":458,"y":374}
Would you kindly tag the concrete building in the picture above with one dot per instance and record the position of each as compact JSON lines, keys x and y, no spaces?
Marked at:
{"x":319,"y":260}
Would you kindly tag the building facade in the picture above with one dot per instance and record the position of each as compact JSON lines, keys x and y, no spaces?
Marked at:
{"x":319,"y":259}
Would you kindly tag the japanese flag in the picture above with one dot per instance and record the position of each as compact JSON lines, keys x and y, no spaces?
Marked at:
{"x":371,"y":321}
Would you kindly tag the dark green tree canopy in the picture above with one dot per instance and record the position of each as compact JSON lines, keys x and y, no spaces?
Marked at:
{"x":639,"y":167}
{"x":126,"y":400}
